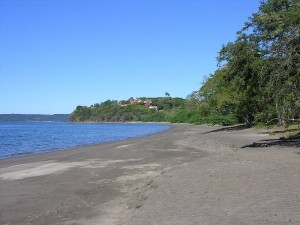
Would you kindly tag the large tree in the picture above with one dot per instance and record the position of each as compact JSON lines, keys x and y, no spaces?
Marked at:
{"x":276,"y":30}
{"x":263,"y":64}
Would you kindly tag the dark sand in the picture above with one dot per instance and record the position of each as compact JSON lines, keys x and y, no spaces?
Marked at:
{"x":187,"y":175}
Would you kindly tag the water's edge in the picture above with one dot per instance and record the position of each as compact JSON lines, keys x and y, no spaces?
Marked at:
{"x":92,"y":142}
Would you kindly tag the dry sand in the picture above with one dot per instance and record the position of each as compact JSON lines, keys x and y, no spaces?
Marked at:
{"x":188,"y":175}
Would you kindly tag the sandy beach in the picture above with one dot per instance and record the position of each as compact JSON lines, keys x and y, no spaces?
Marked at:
{"x":187,"y":175}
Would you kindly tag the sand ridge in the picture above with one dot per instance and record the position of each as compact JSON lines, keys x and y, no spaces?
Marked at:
{"x":49,"y":167}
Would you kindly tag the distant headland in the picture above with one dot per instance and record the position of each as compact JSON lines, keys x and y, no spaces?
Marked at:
{"x":34,"y":117}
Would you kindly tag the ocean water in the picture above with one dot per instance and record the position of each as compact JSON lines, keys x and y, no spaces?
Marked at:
{"x":21,"y":138}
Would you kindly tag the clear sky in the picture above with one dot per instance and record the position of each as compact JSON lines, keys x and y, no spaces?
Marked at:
{"x":57,"y":54}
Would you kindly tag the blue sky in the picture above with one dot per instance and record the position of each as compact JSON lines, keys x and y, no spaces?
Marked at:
{"x":57,"y":54}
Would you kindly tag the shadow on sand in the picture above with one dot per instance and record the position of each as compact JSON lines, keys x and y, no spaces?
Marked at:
{"x":280,"y":131}
{"x":229,"y":128}
{"x":285,"y":142}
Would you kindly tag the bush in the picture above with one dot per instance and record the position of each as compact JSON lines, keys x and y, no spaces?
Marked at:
{"x":224,"y":120}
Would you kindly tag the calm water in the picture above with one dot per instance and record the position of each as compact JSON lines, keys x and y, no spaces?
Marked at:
{"x":20,"y":138}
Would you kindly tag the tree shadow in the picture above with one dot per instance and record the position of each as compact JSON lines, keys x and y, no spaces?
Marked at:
{"x":284,"y":142}
{"x":229,"y":128}
{"x":279,"y":131}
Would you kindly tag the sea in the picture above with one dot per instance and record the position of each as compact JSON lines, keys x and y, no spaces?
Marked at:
{"x":22,"y":138}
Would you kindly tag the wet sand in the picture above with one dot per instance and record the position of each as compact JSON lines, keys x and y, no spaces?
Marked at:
{"x":187,"y":175}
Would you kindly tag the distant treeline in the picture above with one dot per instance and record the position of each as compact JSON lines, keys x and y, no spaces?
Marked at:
{"x":34,"y":117}
{"x":161,"y":109}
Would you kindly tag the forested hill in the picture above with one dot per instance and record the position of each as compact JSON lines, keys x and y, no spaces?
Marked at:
{"x":139,"y":109}
{"x":34,"y":117}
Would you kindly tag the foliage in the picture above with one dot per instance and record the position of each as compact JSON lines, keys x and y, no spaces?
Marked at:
{"x":196,"y":117}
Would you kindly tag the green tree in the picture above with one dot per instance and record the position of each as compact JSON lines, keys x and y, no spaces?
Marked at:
{"x":276,"y":30}
{"x":263,"y":63}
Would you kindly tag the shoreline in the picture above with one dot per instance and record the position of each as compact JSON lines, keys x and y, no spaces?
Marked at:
{"x":188,"y":174}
